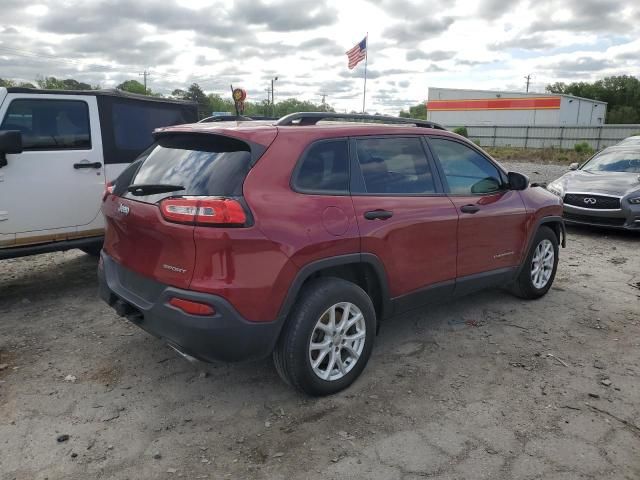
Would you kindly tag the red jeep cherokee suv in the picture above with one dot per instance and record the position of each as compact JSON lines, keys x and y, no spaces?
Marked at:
{"x":235,"y":241}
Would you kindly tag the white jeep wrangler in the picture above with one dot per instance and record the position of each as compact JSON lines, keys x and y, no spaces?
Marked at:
{"x":58,"y":152}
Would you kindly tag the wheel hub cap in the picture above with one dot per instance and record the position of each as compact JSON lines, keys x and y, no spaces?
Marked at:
{"x":337,"y":341}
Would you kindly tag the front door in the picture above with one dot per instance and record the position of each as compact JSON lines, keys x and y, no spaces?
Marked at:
{"x":492,"y":227}
{"x":403,"y":215}
{"x":56,"y":184}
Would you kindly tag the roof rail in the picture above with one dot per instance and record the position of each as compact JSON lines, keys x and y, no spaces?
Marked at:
{"x":312,"y":118}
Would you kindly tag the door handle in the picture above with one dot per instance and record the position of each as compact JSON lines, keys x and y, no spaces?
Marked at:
{"x":80,"y":165}
{"x":378,"y":214}
{"x":470,"y":209}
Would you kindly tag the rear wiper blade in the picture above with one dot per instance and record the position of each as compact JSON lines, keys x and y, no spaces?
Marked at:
{"x":152,"y":188}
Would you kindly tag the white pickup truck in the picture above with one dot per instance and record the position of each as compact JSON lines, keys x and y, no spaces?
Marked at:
{"x":58,"y":152}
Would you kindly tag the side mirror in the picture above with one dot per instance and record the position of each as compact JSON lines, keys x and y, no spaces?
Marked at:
{"x":10,"y":142}
{"x":574,"y":166}
{"x":517,"y":181}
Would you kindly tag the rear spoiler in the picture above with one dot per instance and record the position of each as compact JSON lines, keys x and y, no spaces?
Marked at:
{"x":256,"y":149}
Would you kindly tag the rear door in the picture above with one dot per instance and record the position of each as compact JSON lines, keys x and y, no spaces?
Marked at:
{"x":403,"y":215}
{"x":492,"y":227}
{"x":56,"y":184}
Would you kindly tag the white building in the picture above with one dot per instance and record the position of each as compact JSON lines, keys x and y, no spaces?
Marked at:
{"x":455,"y":107}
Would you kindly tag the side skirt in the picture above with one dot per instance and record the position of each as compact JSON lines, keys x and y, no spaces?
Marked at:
{"x":446,"y":290}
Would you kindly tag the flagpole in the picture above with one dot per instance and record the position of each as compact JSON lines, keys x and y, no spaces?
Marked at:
{"x":366,"y":57}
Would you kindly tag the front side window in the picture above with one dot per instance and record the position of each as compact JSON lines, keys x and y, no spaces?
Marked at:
{"x":394,"y":165}
{"x":467,"y":172}
{"x":50,"y":124}
{"x":324,"y":168}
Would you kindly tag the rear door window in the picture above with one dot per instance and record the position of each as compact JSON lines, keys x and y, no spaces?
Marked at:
{"x":50,"y":124}
{"x":394,"y":165}
{"x":205,"y":165}
{"x":324,"y":169}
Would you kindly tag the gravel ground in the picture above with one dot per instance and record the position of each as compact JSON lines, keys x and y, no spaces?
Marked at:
{"x":537,"y":172}
{"x":484,"y":387}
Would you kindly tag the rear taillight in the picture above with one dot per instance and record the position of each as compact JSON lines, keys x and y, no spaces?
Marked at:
{"x":108,"y":190}
{"x":191,"y":307}
{"x":214,"y":211}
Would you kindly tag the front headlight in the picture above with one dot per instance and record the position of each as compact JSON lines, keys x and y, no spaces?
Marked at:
{"x":634,"y":201}
{"x":556,"y":188}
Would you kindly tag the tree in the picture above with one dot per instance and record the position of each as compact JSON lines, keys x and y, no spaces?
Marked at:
{"x":52,"y":83}
{"x":195,"y":94}
{"x":134,"y":86}
{"x":216,"y":103}
{"x":417,"y":111}
{"x":622,"y":93}
{"x":11,"y":83}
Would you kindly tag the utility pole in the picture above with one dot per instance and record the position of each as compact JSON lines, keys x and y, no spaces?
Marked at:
{"x":273,"y":100}
{"x":324,"y":101}
{"x":145,"y":74}
{"x":528,"y":78}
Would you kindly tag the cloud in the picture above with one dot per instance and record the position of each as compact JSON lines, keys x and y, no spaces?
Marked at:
{"x":578,"y":67}
{"x":416,"y":31}
{"x":528,"y":42}
{"x":435,"y":55}
{"x":285,"y":15}
{"x":324,"y":45}
{"x":579,"y":16}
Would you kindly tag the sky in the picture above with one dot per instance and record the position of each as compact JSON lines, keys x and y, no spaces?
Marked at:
{"x":413,"y":45}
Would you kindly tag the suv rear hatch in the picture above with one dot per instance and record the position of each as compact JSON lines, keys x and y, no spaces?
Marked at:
{"x":188,"y":179}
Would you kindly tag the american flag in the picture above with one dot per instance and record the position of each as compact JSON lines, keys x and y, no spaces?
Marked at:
{"x":357,"y":53}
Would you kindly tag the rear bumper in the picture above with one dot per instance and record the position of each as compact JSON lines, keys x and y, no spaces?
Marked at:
{"x":224,"y":336}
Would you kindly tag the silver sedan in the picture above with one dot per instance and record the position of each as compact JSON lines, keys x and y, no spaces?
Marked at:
{"x":603,"y":191}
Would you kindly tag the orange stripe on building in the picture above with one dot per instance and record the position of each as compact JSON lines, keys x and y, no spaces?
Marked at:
{"x":523,"y":103}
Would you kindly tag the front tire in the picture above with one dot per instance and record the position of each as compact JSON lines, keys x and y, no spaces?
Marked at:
{"x":540,"y":266}
{"x":328,"y":338}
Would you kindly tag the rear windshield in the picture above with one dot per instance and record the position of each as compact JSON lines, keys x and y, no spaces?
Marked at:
{"x":210,"y":165}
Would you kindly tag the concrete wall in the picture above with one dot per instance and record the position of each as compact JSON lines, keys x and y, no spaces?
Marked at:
{"x":572,"y":111}
{"x":496,"y":117}
{"x":578,"y":111}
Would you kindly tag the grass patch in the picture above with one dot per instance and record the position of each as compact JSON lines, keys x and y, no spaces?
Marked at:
{"x":538,"y":155}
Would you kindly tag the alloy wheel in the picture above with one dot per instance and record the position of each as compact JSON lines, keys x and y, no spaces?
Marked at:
{"x":542,"y":264}
{"x":337,"y":341}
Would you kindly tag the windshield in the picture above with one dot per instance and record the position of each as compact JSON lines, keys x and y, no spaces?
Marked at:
{"x":615,"y":161}
{"x":209,"y":165}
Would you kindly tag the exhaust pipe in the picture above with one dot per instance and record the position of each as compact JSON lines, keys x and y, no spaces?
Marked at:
{"x":184,"y":355}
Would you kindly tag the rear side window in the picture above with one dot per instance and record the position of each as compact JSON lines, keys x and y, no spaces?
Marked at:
{"x":128,"y":124}
{"x":324,"y":168}
{"x":50,"y":124}
{"x":467,"y":172}
{"x":394,"y":165}
{"x":205,"y":165}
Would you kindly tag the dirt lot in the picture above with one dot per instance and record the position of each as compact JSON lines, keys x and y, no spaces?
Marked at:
{"x":485,"y":387}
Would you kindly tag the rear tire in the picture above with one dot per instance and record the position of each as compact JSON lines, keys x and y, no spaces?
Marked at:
{"x":318,"y":355}
{"x":540,"y":266}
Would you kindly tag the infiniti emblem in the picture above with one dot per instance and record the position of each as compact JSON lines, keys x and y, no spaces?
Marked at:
{"x":590,"y":201}
{"x":123,"y":209}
